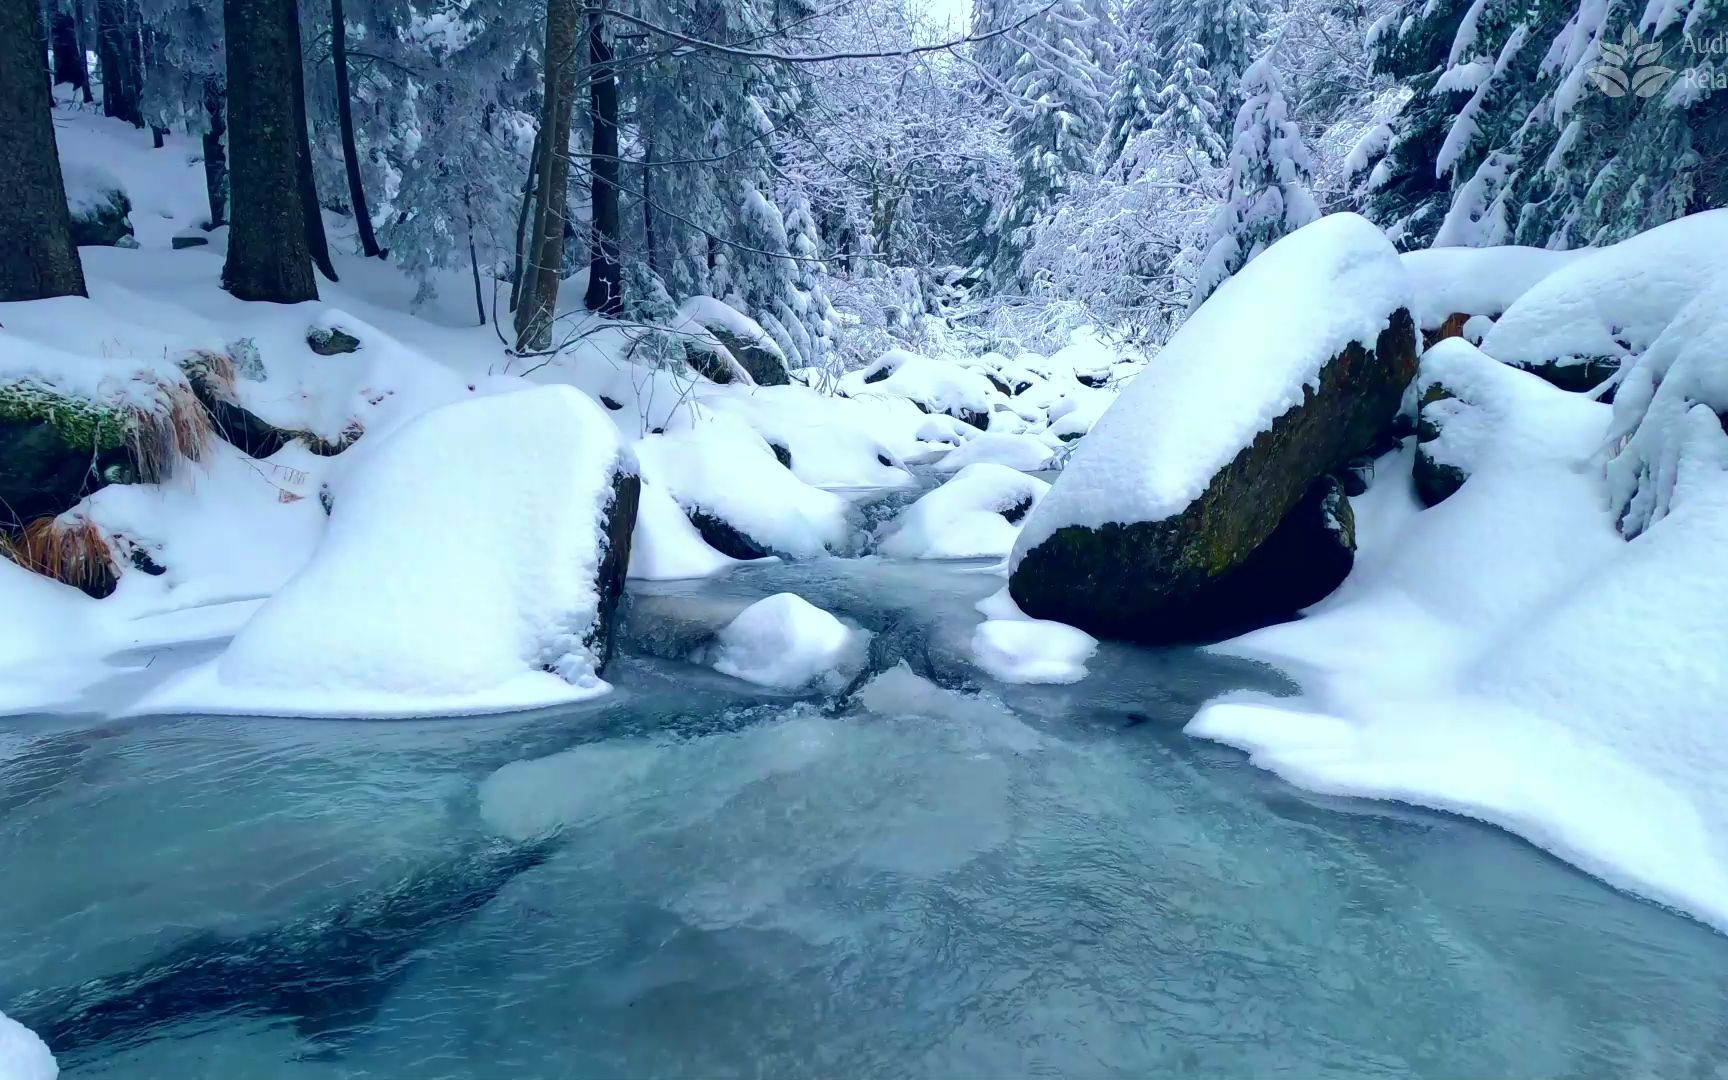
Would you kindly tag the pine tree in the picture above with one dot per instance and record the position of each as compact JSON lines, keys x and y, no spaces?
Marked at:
{"x":268,"y":257}
{"x":37,"y":256}
{"x":1268,"y":195}
{"x":1187,"y":109}
{"x":1057,"y":101}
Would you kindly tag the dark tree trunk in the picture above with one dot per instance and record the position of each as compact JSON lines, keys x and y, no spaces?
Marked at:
{"x":605,"y":295}
{"x":37,"y":256}
{"x":539,"y":303}
{"x":316,"y":242}
{"x":268,"y":256}
{"x":345,"y":119}
{"x":70,"y":66}
{"x":650,"y":232}
{"x":119,"y":55}
{"x":523,"y":216}
{"x":215,"y":157}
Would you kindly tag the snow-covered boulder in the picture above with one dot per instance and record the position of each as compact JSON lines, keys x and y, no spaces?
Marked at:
{"x":101,"y":212}
{"x":1456,"y":284}
{"x":474,"y":560}
{"x":721,"y":341}
{"x":1027,"y":453}
{"x":1292,"y":368}
{"x":936,"y":386}
{"x":1471,"y":405}
{"x":975,"y":515}
{"x":1577,"y":325}
{"x":1032,"y":650}
{"x":24,"y":1056}
{"x":743,"y":501}
{"x":784,"y":641}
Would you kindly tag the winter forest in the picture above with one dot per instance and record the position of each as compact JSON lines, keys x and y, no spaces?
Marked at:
{"x":626,"y":538}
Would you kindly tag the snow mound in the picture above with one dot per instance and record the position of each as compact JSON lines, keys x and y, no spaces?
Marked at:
{"x":717,"y":465}
{"x":458,"y":573}
{"x":1611,"y":303}
{"x":936,"y":384}
{"x":1476,"y":281}
{"x":1667,"y":425}
{"x":833,"y":442}
{"x":784,"y":641}
{"x":24,"y":1056}
{"x":975,"y":515}
{"x":1032,"y":650}
{"x":90,"y":188}
{"x":1244,"y":359}
{"x":1026,"y":453}
{"x":1498,"y":412}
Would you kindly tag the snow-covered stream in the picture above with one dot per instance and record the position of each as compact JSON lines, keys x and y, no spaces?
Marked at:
{"x":936,"y":876}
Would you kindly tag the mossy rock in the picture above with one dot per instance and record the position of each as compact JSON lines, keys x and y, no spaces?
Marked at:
{"x":331,"y":341}
{"x":105,"y":222}
{"x":55,"y":449}
{"x":1166,"y":580}
{"x":762,"y":362}
{"x":1435,"y":481}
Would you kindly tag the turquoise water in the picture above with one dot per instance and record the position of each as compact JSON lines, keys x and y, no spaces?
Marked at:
{"x":934,"y":877}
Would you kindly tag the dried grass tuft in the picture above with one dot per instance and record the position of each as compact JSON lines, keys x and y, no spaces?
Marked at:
{"x":71,"y":549}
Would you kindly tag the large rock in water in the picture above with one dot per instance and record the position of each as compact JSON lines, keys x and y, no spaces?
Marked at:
{"x":1291,"y":369}
{"x":474,"y":560}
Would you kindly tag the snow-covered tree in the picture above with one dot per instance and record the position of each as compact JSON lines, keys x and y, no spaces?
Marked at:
{"x":1268,"y":194}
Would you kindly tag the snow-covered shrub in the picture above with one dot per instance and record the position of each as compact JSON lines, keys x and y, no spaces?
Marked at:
{"x":1668,"y":431}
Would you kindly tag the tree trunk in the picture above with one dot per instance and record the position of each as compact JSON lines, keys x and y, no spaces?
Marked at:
{"x":118,"y":55}
{"x":650,"y":232}
{"x":345,"y":119}
{"x":539,"y":305}
{"x":523,"y":215}
{"x":37,"y":256}
{"x":215,"y":157}
{"x":316,"y":242}
{"x":70,"y":67}
{"x":268,"y":255}
{"x":605,"y":294}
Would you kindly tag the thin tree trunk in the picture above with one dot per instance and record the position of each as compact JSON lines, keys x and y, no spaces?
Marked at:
{"x":650,"y":235}
{"x":539,"y":307}
{"x":70,"y":66}
{"x":215,"y":157}
{"x":605,"y":294}
{"x":474,"y":259}
{"x":268,"y":254}
{"x":316,"y":242}
{"x":523,"y":214}
{"x":345,"y":120}
{"x":118,"y":55}
{"x":37,"y":256}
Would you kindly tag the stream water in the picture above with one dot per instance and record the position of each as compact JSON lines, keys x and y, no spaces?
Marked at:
{"x":935,"y":876}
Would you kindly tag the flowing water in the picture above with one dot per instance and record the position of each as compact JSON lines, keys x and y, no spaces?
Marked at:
{"x":930,"y":876}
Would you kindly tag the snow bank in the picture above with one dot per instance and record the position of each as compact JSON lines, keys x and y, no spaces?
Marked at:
{"x":665,"y":546}
{"x":1611,"y":303}
{"x":966,"y":518}
{"x":23,"y":1056}
{"x":458,"y":573}
{"x":1189,"y":413}
{"x":785,"y":641}
{"x":1476,"y":281}
{"x":1032,"y":650}
{"x":833,"y":442}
